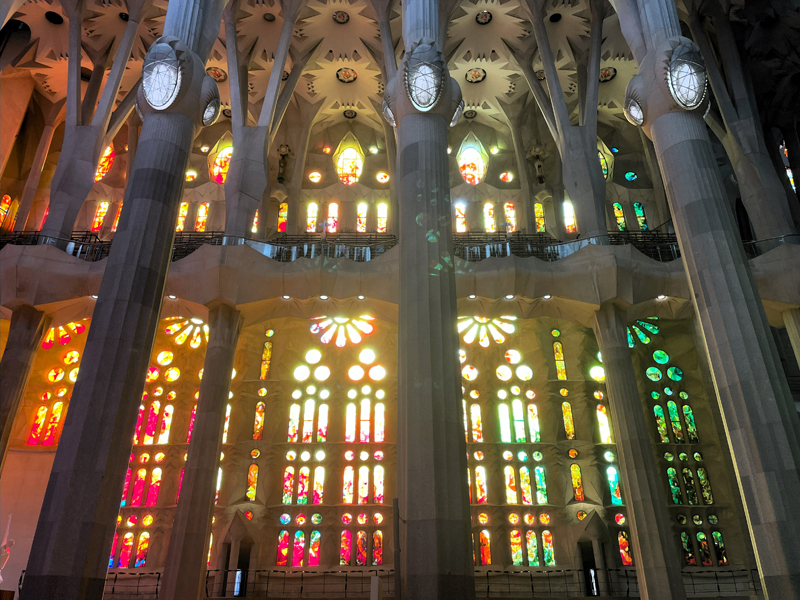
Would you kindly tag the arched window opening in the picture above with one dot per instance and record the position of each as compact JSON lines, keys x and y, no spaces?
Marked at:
{"x":298,"y":549}
{"x":549,"y":550}
{"x":604,"y":425}
{"x":612,"y":475}
{"x":227,"y":424}
{"x":313,"y":548}
{"x":350,"y":423}
{"x":461,"y":217}
{"x":518,"y":411}
{"x":485,"y":547}
{"x":541,"y":485}
{"x":138,"y":487}
{"x":333,"y":218}
{"x":288,"y":485}
{"x":525,"y":485}
{"x":577,"y":482}
{"x":311,"y":217}
{"x":569,"y":218}
{"x":674,"y":485}
{"x":347,"y":484}
{"x":154,"y":487}
{"x":533,"y":423}
{"x":619,"y":217}
{"x":377,"y":485}
{"x":641,"y":218}
{"x":152,"y":423}
{"x":361,"y":548}
{"x":510,"y":213}
{"x":675,"y":421}
{"x":511,"y":484}
{"x":569,"y":423}
{"x":183,"y":210}
{"x":515,"y":539}
{"x":661,"y":423}
{"x":624,"y":549}
{"x":319,"y":484}
{"x":308,"y":422}
{"x":202,"y":217}
{"x":365,"y":421}
{"x":538,"y":212}
{"x":480,"y":485}
{"x":127,"y":550}
{"x":489,"y":223}
{"x":38,"y":424}
{"x":99,"y":216}
{"x":361,"y":217}
{"x":283,"y":549}
{"x":258,"y":425}
{"x":380,"y":422}
{"x":363,"y":484}
{"x":561,"y":365}
{"x":477,"y":424}
{"x":383,"y":217}
{"x":377,"y":548}
{"x":345,"y":547}
{"x":283,"y":214}
{"x":688,"y":484}
{"x":533,"y":548}
{"x":254,"y":226}
{"x":505,"y":423}
{"x":252,"y":482}
{"x":302,"y":485}
{"x":166,"y":425}
{"x":294,"y":423}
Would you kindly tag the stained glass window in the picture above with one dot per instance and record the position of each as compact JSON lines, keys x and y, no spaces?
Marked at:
{"x":472,"y":160}
{"x":719,"y":546}
{"x":516,"y":547}
{"x":350,"y":423}
{"x":106,"y":160}
{"x":577,"y":482}
{"x":377,"y":547}
{"x":319,"y":484}
{"x":688,"y":484}
{"x":561,"y":365}
{"x":313,"y":549}
{"x":538,"y":211}
{"x":613,"y":485}
{"x":283,"y":549}
{"x":311,"y":217}
{"x":333,"y":218}
{"x":294,"y":423}
{"x":302,"y":485}
{"x":705,"y":551}
{"x":345,"y":547}
{"x":505,"y":423}
{"x":113,"y":549}
{"x":349,"y":159}
{"x":298,"y":549}
{"x":252,"y":482}
{"x":489,"y":223}
{"x":383,"y":217}
{"x":461,"y":217}
{"x":688,"y":551}
{"x":288,"y":485}
{"x":641,"y":218}
{"x":183,"y":210}
{"x":549,"y":551}
{"x":361,"y":217}
{"x":661,"y":423}
{"x":511,"y":484}
{"x":99,"y":216}
{"x":347,"y":485}
{"x":202,"y":217}
{"x":322,"y":423}
{"x":541,"y":486}
{"x":518,"y":411}
{"x":525,"y":485}
{"x":569,"y":217}
{"x":705,"y":486}
{"x":625,"y":549}
{"x":254,"y":226}
{"x":569,"y":423}
{"x":191,"y":422}
{"x":127,"y":550}
{"x":377,"y":485}
{"x":533,"y":548}
{"x":5,"y":205}
{"x":227,"y":424}
{"x":152,"y":422}
{"x":674,"y":486}
{"x":365,"y":421}
{"x":619,"y":217}
{"x":283,"y":214}
{"x":485,"y":546}
{"x":510,"y":216}
{"x":125,"y":487}
{"x":533,"y":423}
{"x":361,"y":548}
{"x":480,"y":485}
{"x":138,"y":487}
{"x":220,"y":165}
{"x":38,"y":424}
{"x":266,"y":360}
{"x":258,"y":425}
{"x":363,"y":485}
{"x":675,"y":421}
{"x":691,"y":427}
{"x":308,"y":421}
{"x":477,"y":424}
{"x":604,"y":425}
{"x":380,"y":422}
{"x":166,"y":425}
{"x":154,"y":487}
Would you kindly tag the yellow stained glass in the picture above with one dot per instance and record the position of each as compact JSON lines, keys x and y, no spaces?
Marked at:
{"x":569,"y":424}
{"x":561,"y":365}
{"x":538,"y":211}
{"x":99,"y":216}
{"x":569,"y":218}
{"x":511,"y":216}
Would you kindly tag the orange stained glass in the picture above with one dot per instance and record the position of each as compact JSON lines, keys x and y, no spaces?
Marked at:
{"x":361,"y":548}
{"x":345,"y":547}
{"x":561,"y":365}
{"x":533,"y":422}
{"x":127,"y":550}
{"x":461,"y":217}
{"x":302,"y":485}
{"x":549,"y":551}
{"x":511,"y":484}
{"x":155,"y":486}
{"x":152,"y":422}
{"x":311,"y":217}
{"x":511,"y":216}
{"x":38,"y":424}
{"x":182,"y":212}
{"x":515,"y":538}
{"x":480,"y":485}
{"x":350,"y":423}
{"x":363,"y":485}
{"x":141,"y":549}
{"x":322,"y":423}
{"x":294,"y":423}
{"x":283,"y":549}
{"x":252,"y":482}
{"x":471,"y":165}
{"x":624,"y":549}
{"x":477,"y":424}
{"x":125,"y":487}
{"x":5,"y":205}
{"x":258,"y":426}
{"x":488,"y":217}
{"x":525,"y":485}
{"x":140,"y":420}
{"x":106,"y":160}
{"x":63,"y":337}
{"x":56,"y":374}
{"x":288,"y":485}
{"x":577,"y":482}
{"x":210,"y":546}
{"x":380,"y":422}
{"x":569,"y":217}
{"x":202,"y":217}
{"x":361,"y":217}
{"x":569,"y":423}
{"x":486,"y":549}
{"x":538,"y":211}
{"x":377,"y":548}
{"x":99,"y":216}
{"x":166,"y":425}
{"x":49,"y":339}
{"x":365,"y":421}
{"x":604,"y":425}
{"x":219,"y":170}
{"x":191,"y":424}
{"x":283,"y":213}
{"x":313,"y":549}
{"x":383,"y":217}
{"x":377,"y":485}
{"x":52,"y":425}
{"x":332,"y":225}
{"x":319,"y":484}
{"x":254,"y":226}
{"x":347,"y":485}
{"x":349,"y":160}
{"x":138,"y":487}
{"x":44,"y":217}
{"x":227,"y":424}
{"x":266,"y":360}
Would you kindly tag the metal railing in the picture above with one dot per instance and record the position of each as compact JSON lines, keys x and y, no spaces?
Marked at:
{"x":759,"y":247}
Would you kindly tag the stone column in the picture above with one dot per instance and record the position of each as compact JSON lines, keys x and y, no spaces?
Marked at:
{"x":655,"y":551}
{"x":69,"y":554}
{"x":28,"y":326}
{"x":185,"y":566}
{"x":760,"y":423}
{"x":432,"y":489}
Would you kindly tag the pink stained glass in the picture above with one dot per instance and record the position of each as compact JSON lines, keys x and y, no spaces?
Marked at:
{"x":322,"y":423}
{"x":480,"y":484}
{"x":138,"y":487}
{"x":313,"y":548}
{"x":155,"y":486}
{"x":288,"y":485}
{"x":365,"y":422}
{"x":625,"y":549}
{"x":113,"y":550}
{"x":126,"y":486}
{"x":361,"y":548}
{"x":283,"y":212}
{"x":127,"y":550}
{"x":191,"y":424}
{"x":152,"y":423}
{"x":377,"y":548}
{"x":52,"y":425}
{"x":38,"y":424}
{"x":139,"y":421}
{"x":258,"y":425}
{"x":347,"y":485}
{"x":525,"y":485}
{"x":308,"y":422}
{"x":283,"y":549}
{"x":166,"y":424}
{"x":380,"y":422}
{"x":302,"y":485}
{"x":350,"y":423}
{"x":319,"y":484}
{"x":180,"y":485}
{"x":298,"y":549}
{"x":363,"y":485}
{"x":377,"y":485}
{"x":141,"y":549}
{"x":294,"y":423}
{"x":345,"y":547}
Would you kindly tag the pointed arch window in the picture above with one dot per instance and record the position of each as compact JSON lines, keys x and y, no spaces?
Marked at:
{"x":569,"y":218}
{"x":258,"y":425}
{"x":319,"y":484}
{"x":538,"y":212}
{"x":472,"y":159}
{"x":333,"y":218}
{"x":311,"y":217}
{"x":127,"y":550}
{"x":345,"y":547}
{"x":533,"y":548}
{"x":377,"y":548}
{"x":641,"y":217}
{"x":313,"y":548}
{"x":510,"y":213}
{"x":515,"y":539}
{"x":549,"y":550}
{"x":461,"y":217}
{"x":624,"y":548}
{"x":619,"y":217}
{"x":541,"y":485}
{"x":489,"y":223}
{"x":303,"y":476}
{"x":361,"y":217}
{"x":481,"y":485}
{"x":298,"y":549}
{"x":525,"y":485}
{"x":349,"y":159}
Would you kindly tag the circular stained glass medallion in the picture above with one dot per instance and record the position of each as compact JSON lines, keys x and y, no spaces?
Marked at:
{"x":346,"y":75}
{"x":483,"y":17}
{"x":654,"y":374}
{"x":340,"y":17}
{"x":475,"y":75}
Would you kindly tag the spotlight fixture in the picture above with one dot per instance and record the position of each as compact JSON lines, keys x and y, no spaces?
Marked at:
{"x":94,"y":296}
{"x":449,"y":149}
{"x":323,"y":297}
{"x":661,"y":297}
{"x":171,"y":297}
{"x":472,"y":296}
{"x":361,"y":297}
{"x":286,"y":297}
{"x":547,"y":296}
{"x":509,"y":296}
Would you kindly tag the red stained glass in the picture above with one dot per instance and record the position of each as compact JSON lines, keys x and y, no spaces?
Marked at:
{"x":377,"y":548}
{"x":127,"y":549}
{"x":52,"y":425}
{"x":283,"y":212}
{"x":486,"y":549}
{"x":125,"y":487}
{"x":138,"y":487}
{"x":105,"y":163}
{"x":345,"y":548}
{"x":377,"y":484}
{"x":283,"y":549}
{"x":363,"y":485}
{"x":63,"y":337}
{"x":152,"y":422}
{"x":113,"y":549}
{"x":319,"y":484}
{"x":38,"y":424}
{"x":49,"y":339}
{"x":302,"y":485}
{"x":347,"y":485}
{"x":153,"y":489}
{"x":258,"y":426}
{"x":361,"y":548}
{"x":322,"y":423}
{"x":99,"y":216}
{"x":219,"y":170}
{"x":141,"y":549}
{"x":313,"y":549}
{"x":166,"y":424}
{"x":294,"y":423}
{"x":624,"y":549}
{"x":299,"y":548}
{"x":191,"y":422}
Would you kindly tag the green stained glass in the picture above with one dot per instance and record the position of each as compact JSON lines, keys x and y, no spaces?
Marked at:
{"x":719,"y":546}
{"x":681,"y":519}
{"x":675,"y":373}
{"x":674,"y":486}
{"x":653,"y":374}
{"x":661,"y":423}
{"x":641,"y":218}
{"x":613,"y":485}
{"x":675,"y":421}
{"x":698,"y":457}
{"x":541,"y":486}
{"x":713,"y":519}
{"x":537,"y":456}
{"x":691,"y":427}
{"x":661,"y":357}
{"x":668,"y":391}
{"x":533,"y":548}
{"x":683,"y":456}
{"x":688,"y":552}
{"x":640,"y":334}
{"x":609,"y":456}
{"x":705,"y":552}
{"x":555,"y":333}
{"x":655,"y":395}
{"x":705,"y":486}
{"x":549,"y":552}
{"x":631,"y":342}
{"x":684,"y":396}
{"x":516,"y":547}
{"x":649,"y":327}
{"x":669,"y":456}
{"x":688,"y":484}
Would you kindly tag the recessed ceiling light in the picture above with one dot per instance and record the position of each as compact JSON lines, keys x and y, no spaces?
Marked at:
{"x":547,"y":296}
{"x":94,"y":296}
{"x":509,"y":296}
{"x":361,"y":297}
{"x":323,"y":297}
{"x":472,"y":296}
{"x":661,"y":297}
{"x":171,"y":297}
{"x":205,"y":148}
{"x":449,"y":149}
{"x":286,"y":297}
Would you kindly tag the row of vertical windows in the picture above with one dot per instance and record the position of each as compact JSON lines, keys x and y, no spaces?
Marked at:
{"x":292,"y":548}
{"x":509,"y":223}
{"x":523,"y":547}
{"x":309,"y":424}
{"x":127,"y":558}
{"x":704,"y":551}
{"x":331,"y":222}
{"x":45,"y":431}
{"x":296,"y":490}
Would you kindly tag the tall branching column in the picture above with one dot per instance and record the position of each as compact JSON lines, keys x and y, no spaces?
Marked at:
{"x":434,"y":510}
{"x":69,"y":555}
{"x":760,"y":423}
